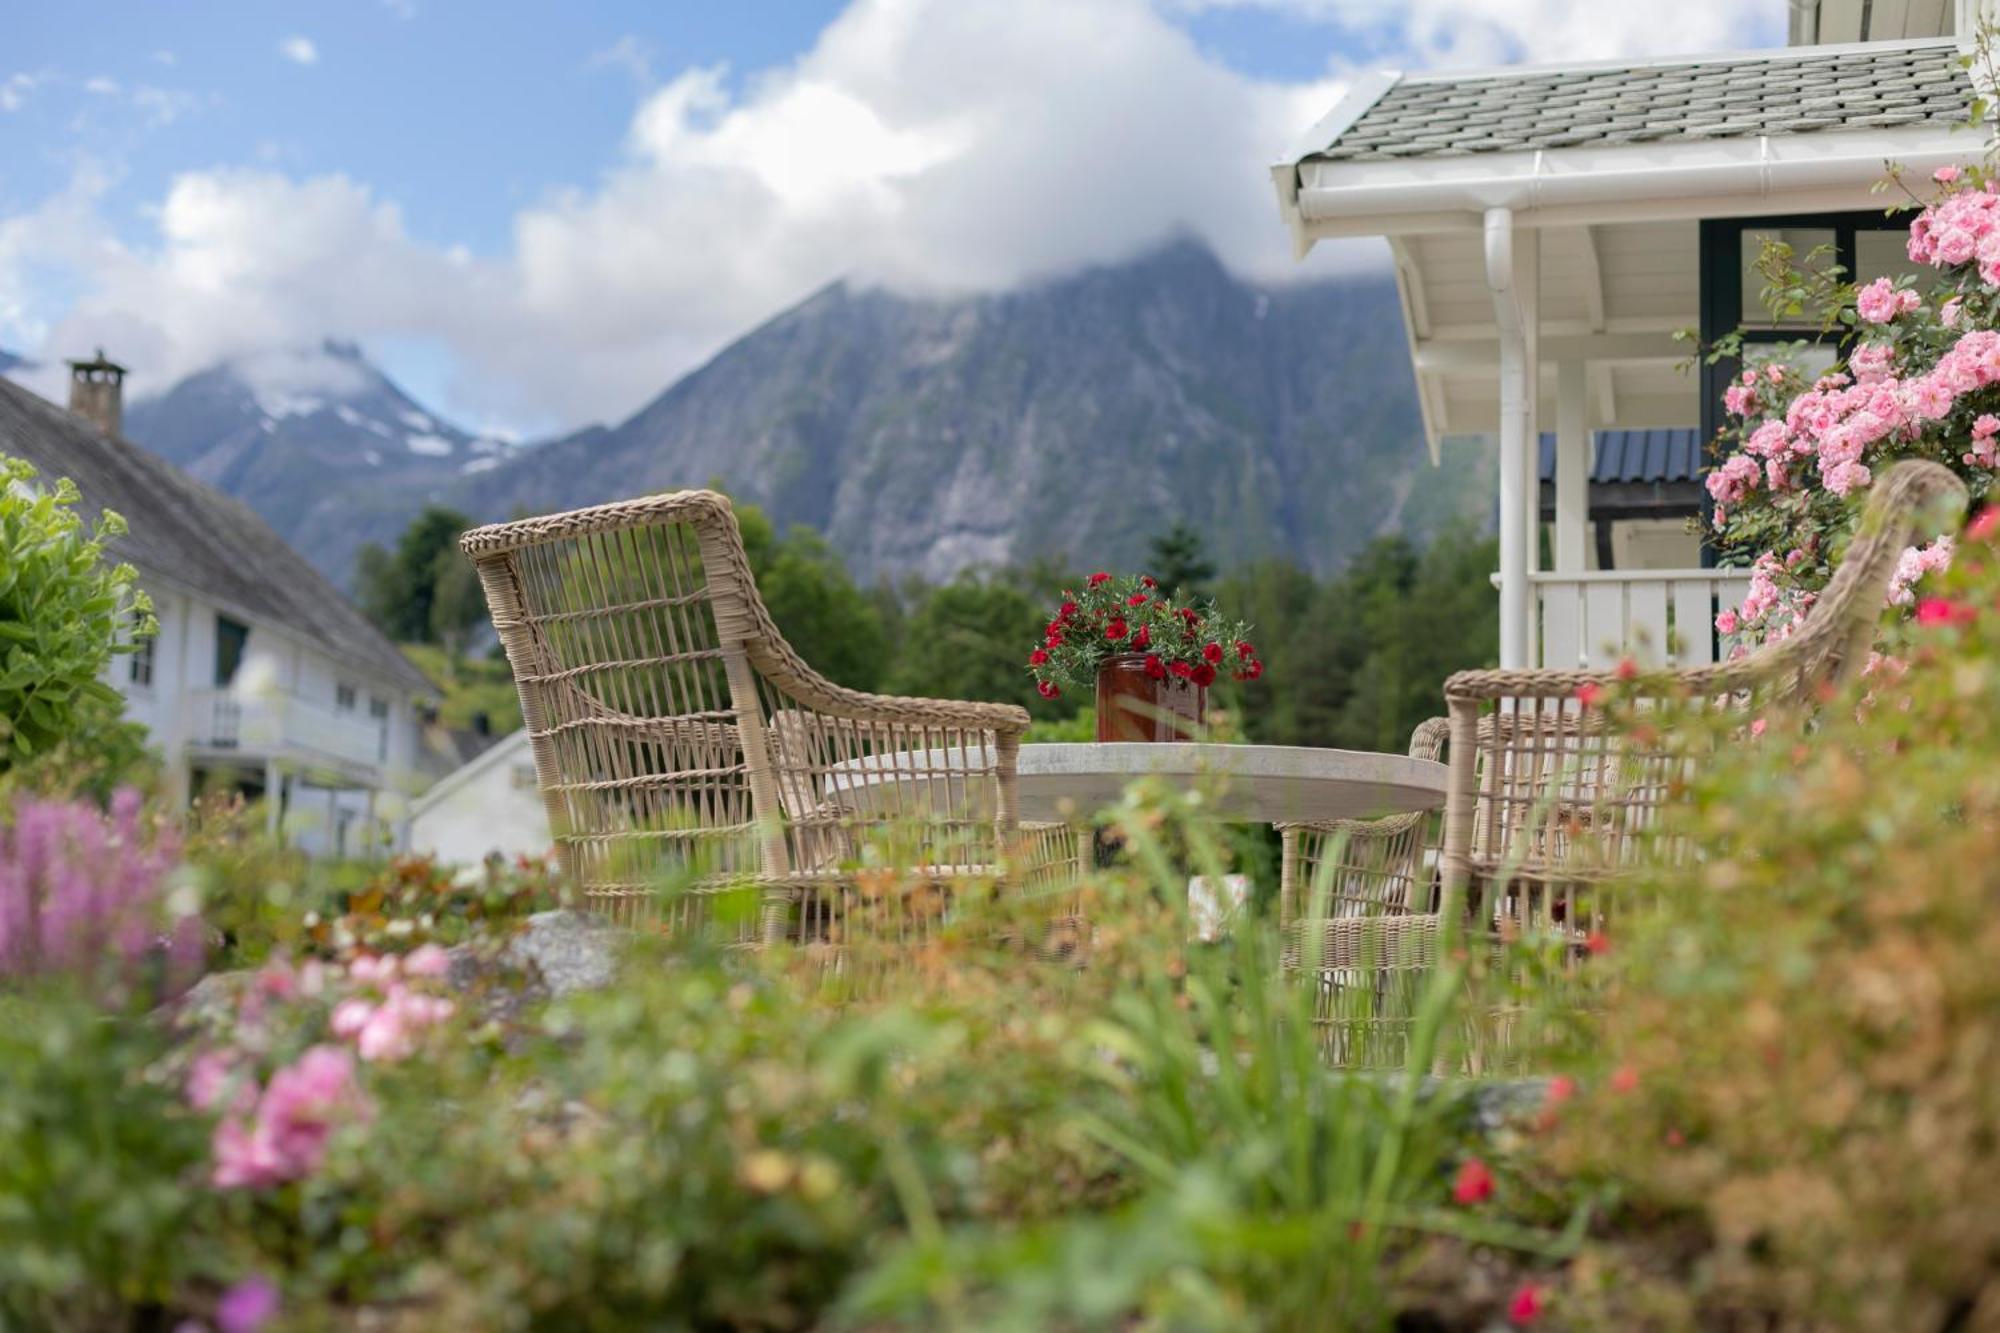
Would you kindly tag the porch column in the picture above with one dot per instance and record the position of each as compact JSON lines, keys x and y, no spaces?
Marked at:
{"x":1511,"y":278}
{"x":273,"y":797}
{"x":1572,"y":469}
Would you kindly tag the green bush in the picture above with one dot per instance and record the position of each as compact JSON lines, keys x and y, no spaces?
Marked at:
{"x":63,"y":613}
{"x":1796,"y":1088}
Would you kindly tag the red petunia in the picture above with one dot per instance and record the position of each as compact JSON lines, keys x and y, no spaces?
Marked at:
{"x":1212,"y":653}
{"x":1136,"y":599}
{"x":1473,"y":1183}
{"x":1100,"y":577}
{"x":1527,"y":1305}
{"x":1155,"y":667}
{"x":1037,"y":657}
{"x":1181,"y":669}
{"x":1048,"y":689}
{"x":1115,"y":630}
{"x":1144,"y":637}
{"x":1204,"y":675}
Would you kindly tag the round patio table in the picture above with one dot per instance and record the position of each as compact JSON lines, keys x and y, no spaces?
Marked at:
{"x":1265,"y":784}
{"x":1253,"y":783}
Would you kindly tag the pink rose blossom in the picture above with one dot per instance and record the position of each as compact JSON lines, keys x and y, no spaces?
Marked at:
{"x":1945,"y":175}
{"x":427,"y":960}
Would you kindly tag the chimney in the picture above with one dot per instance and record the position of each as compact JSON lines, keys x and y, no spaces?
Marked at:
{"x":97,"y":392}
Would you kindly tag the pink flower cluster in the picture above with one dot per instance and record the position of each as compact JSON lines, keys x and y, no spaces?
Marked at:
{"x":1770,"y":611}
{"x":1880,"y":301}
{"x":1961,"y":228}
{"x":79,"y":890}
{"x":1837,"y":421}
{"x":1915,"y":562}
{"x":280,"y":1133}
{"x":386,"y":1028}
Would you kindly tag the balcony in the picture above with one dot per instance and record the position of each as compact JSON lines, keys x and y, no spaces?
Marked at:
{"x":1658,"y":617}
{"x":283,"y":726}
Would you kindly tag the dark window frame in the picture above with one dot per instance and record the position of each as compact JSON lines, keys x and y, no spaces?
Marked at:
{"x":1721,"y":304}
{"x":229,"y":632}
{"x":139,"y":668}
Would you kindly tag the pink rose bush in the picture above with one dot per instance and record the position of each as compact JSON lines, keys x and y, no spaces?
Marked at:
{"x":1921,"y":380}
{"x":277,"y":1128}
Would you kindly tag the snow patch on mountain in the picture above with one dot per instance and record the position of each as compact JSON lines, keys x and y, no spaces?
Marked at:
{"x":430,"y":446}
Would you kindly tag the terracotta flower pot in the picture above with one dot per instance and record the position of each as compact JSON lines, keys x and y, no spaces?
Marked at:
{"x":1133,"y":706}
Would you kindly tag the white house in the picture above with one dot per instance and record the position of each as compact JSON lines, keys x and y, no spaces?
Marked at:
{"x":489,"y":805}
{"x":263,"y":678}
{"x":1552,"y":228}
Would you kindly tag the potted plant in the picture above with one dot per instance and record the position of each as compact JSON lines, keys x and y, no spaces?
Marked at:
{"x":1151,"y":657}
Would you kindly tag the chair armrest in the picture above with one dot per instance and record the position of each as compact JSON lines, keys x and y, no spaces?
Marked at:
{"x":860,"y":706}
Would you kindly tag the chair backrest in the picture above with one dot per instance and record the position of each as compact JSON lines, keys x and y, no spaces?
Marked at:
{"x":1546,"y":794}
{"x":627,"y":627}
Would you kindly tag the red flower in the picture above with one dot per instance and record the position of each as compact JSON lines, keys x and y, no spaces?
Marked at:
{"x":1144,"y":637}
{"x":1048,"y":689}
{"x":1204,"y":675}
{"x":1115,"y":630}
{"x":1526,"y":1306}
{"x":1985,"y":524}
{"x":1253,"y":671}
{"x":1627,"y":669}
{"x":1597,"y":942}
{"x":1155,"y":667}
{"x":1098,"y":578}
{"x":1054,"y":639}
{"x":1944,"y":611}
{"x":1066,"y":610}
{"x":1624,"y":1079}
{"x":1188,"y":614}
{"x":1561,"y":1088}
{"x":1589,"y":693}
{"x":1244,"y":650}
{"x":1212,"y":653}
{"x":1037,"y":657}
{"x":1473,"y":1183}
{"x":1136,"y":599}
{"x":1181,"y":669}
{"x":1147,"y":580}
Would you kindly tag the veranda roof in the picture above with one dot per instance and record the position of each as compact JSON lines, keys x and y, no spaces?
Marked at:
{"x":1609,"y":167}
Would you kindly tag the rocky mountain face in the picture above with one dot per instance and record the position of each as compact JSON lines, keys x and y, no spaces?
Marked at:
{"x":318,"y":441}
{"x":1078,"y":418}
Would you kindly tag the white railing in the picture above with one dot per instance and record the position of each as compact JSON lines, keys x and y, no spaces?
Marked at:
{"x":276,"y":723}
{"x":1658,"y":617}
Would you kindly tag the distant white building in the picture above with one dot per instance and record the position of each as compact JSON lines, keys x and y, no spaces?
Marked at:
{"x":489,"y":805}
{"x":263,"y":678}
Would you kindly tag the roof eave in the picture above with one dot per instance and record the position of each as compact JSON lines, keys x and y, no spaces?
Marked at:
{"x":1577,"y":186}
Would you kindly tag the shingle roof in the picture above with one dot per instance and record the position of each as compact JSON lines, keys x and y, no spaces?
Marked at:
{"x":1788,"y":92}
{"x":1667,"y":455}
{"x":199,"y":538}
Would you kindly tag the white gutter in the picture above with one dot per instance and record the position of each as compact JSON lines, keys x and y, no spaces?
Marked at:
{"x":1695,"y":178}
{"x":1516,"y":425}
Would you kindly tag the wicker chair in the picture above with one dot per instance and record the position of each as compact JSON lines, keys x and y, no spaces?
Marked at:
{"x":677,"y":736}
{"x":1546,"y":802}
{"x":1355,"y":906}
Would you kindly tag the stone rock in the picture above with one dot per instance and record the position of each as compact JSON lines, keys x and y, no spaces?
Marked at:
{"x":571,"y":950}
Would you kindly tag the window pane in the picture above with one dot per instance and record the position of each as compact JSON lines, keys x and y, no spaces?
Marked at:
{"x":230,"y":638}
{"x":1883,"y":254}
{"x":1811,"y":247}
{"x":1810,"y":359}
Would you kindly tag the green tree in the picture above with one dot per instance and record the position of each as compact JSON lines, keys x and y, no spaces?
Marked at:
{"x":398,"y":590}
{"x":1179,"y":560}
{"x":834,"y":625}
{"x":969,"y":639}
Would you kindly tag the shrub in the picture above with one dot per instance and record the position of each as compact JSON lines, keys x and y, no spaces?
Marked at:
{"x":63,"y":614}
{"x":1798,"y":1071}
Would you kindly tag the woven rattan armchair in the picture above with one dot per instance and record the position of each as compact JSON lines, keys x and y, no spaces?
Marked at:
{"x":1547,"y":802}
{"x":678,"y":737}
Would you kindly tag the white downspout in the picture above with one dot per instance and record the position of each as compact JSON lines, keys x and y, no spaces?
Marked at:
{"x":1516,"y":422}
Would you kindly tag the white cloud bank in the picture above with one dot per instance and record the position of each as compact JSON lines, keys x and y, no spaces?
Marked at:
{"x":299,"y":50}
{"x":930,"y":144}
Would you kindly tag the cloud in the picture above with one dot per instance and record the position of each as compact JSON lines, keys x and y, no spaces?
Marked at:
{"x":932,"y":145}
{"x":14,"y":90}
{"x":299,"y":50}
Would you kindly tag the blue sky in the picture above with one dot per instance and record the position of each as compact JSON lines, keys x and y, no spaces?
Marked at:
{"x":540,"y":216}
